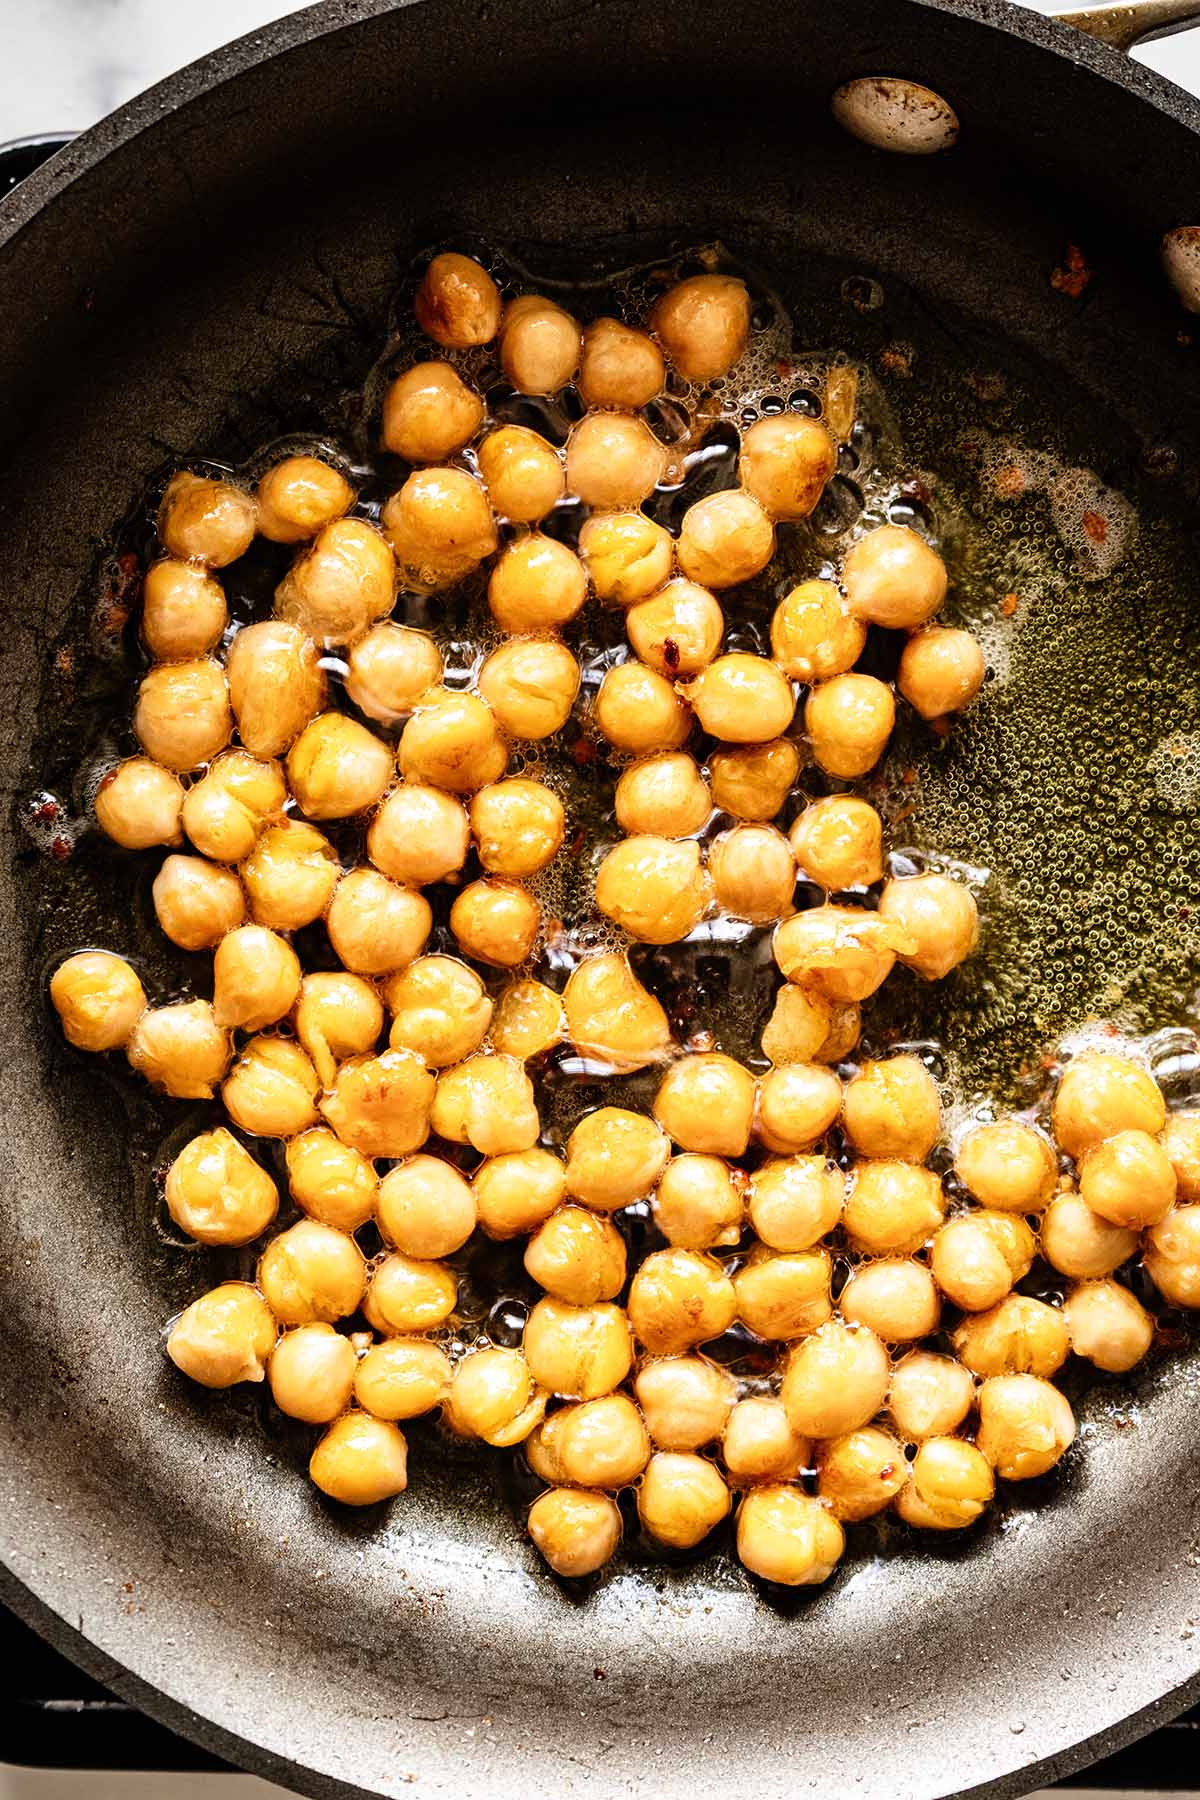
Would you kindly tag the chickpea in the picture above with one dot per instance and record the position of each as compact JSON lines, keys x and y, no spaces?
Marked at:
{"x":939,"y":917}
{"x":679,"y":1298}
{"x":844,"y":952}
{"x":99,"y":999}
{"x":1025,"y":1425}
{"x":798,"y":1027}
{"x":419,"y":835}
{"x":637,"y":709}
{"x":892,"y":1109}
{"x":743,"y":699}
{"x":930,"y":1395}
{"x":290,"y":875}
{"x":893,"y":1208}
{"x":760,"y":1445}
{"x":514,"y":1194}
{"x":685,"y":1400}
{"x":180,"y":1049}
{"x":835,"y":1381}
{"x":401,"y":1378}
{"x":205,"y":520}
{"x":614,"y":460}
{"x":783,"y":1296}
{"x":524,"y":474}
{"x":299,"y":496}
{"x":861,"y":1473}
{"x":391,"y":669}
{"x":272,"y":1088}
{"x":795,"y":1202}
{"x":276,"y":685}
{"x":797,"y":1104}
{"x":405,"y":1295}
{"x":496,"y":922}
{"x":138,"y":804}
{"x":336,"y":767}
{"x":457,"y":304}
{"x":895,"y":1297}
{"x":576,"y":1533}
{"x":530,"y":1019}
{"x":536,"y":585}
{"x":814,"y":635}
{"x":182,"y":715}
{"x":627,"y":555}
{"x":941,"y":671}
{"x":724,"y":540}
{"x":894,"y":578}
{"x":698,"y":1204}
{"x":577,"y":1256}
{"x":1100,"y":1095}
{"x":950,"y":1485}
{"x":706,"y":1102}
{"x":375,"y":925}
{"x":311,"y":1272}
{"x":1173,"y":1257}
{"x":611,"y":1017}
{"x":602,"y":1443}
{"x":518,"y":825}
{"x":1020,"y":1336}
{"x":1009,"y":1167}
{"x":360,"y":1461}
{"x":681,"y":1498}
{"x":224,"y":812}
{"x":337,"y":1015}
{"x":183,"y":611}
{"x":340,"y":585}
{"x":530,"y":686}
{"x":753,"y":782}
{"x":614,"y":1157}
{"x":580,"y":1352}
{"x":620,"y":367}
{"x":703,"y":324}
{"x":440,"y":527}
{"x":197,"y":902}
{"x":663,"y":796}
{"x":429,"y":412}
{"x":845,"y":1029}
{"x":223,"y":1337}
{"x":678,"y":630}
{"x":849,"y":720}
{"x":539,"y":345}
{"x":656,"y":889}
{"x":217,"y":1193}
{"x":1128,"y":1180}
{"x":838,"y":842}
{"x":785,"y":462}
{"x":1077,"y":1242}
{"x":381,"y":1104}
{"x":787,"y":1536}
{"x":753,"y":872}
{"x":1181,"y":1141}
{"x":492,"y":1396}
{"x":487,"y":1102}
{"x":440,"y":1010}
{"x":452,"y":741}
{"x":329,"y":1181}
{"x":977,"y":1259}
{"x":1107,"y":1325}
{"x":311,"y":1372}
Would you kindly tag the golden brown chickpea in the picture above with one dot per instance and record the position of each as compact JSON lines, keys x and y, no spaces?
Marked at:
{"x":703,"y":324}
{"x":637,"y":709}
{"x":893,"y":1208}
{"x":381,"y":1104}
{"x":844,"y":952}
{"x":760,"y":1445}
{"x":753,"y":873}
{"x":206,"y":520}
{"x":845,"y":1029}
{"x":614,"y":461}
{"x":614,"y":1157}
{"x":337,"y":1015}
{"x":706,"y":1102}
{"x":681,"y":1498}
{"x":391,"y":669}
{"x":892,"y":577}
{"x":753,"y":782}
{"x":798,"y":1027}
{"x":663,"y":796}
{"x":375,"y":925}
{"x":892,"y":1109}
{"x":783,"y":1296}
{"x":530,"y":1019}
{"x":182,"y":715}
{"x":1077,"y":1242}
{"x":224,"y":812}
{"x":796,"y":1201}
{"x":337,"y":588}
{"x":514,"y":1194}
{"x":197,"y":902}
{"x":405,"y":1295}
{"x":580,"y":1352}
{"x":939,"y":917}
{"x":743,"y":699}
{"x":861,"y":1473}
{"x":1128,"y":1180}
{"x":797,"y":1103}
{"x":784,"y":462}
{"x":337,"y":767}
{"x":627,"y":555}
{"x":223,"y":1337}
{"x":183,"y":611}
{"x":451,"y":741}
{"x":725,"y":539}
{"x":539,"y":345}
{"x":619,"y":367}
{"x":895,"y":1297}
{"x":492,"y":1396}
{"x":180,"y":1049}
{"x":1181,"y":1141}
{"x":496,"y":922}
{"x":849,"y":720}
{"x":1025,"y":1425}
{"x":487,"y":1102}
{"x":311,"y":1272}
{"x":440,"y":527}
{"x":835,"y":1381}
{"x":698,"y":1204}
{"x":402,"y":1378}
{"x":941,"y":671}
{"x":1007,"y":1166}
{"x":138,"y":804}
{"x":814,"y":635}
{"x":950,"y":1485}
{"x":577,"y":1256}
{"x":1173,"y":1257}
{"x":930,"y":1395}
{"x":786,"y":1536}
{"x":978,"y":1258}
{"x":518,"y":826}
{"x":217,"y":1193}
{"x":99,"y":999}
{"x":440,"y":1010}
{"x":330,"y":1182}
{"x":656,"y":889}
{"x":601,"y":1443}
{"x":838,"y":842}
{"x":311,"y":1372}
{"x":611,"y":1017}
{"x":272,"y":1088}
{"x":458,"y":303}
{"x":536,"y":584}
{"x":530,"y":685}
{"x":1107,"y":1324}
{"x":276,"y":685}
{"x":290,"y":875}
{"x":576,"y":1533}
{"x":429,"y":412}
{"x":360,"y":1461}
{"x":679,"y":1298}
{"x":419,"y":835}
{"x":685,"y":1400}
{"x":1020,"y":1336}
{"x":524,"y":474}
{"x":1101,"y":1094}
{"x":299,"y":496}
{"x":678,"y":630}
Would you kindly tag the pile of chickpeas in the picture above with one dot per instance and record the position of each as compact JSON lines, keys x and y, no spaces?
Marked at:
{"x":399,"y":1082}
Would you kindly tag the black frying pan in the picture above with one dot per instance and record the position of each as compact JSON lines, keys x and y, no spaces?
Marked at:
{"x":207,"y":267}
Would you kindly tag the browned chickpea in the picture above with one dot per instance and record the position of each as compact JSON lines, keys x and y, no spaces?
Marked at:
{"x":419,"y":835}
{"x":614,"y":1157}
{"x":337,"y":1015}
{"x":138,"y":804}
{"x":440,"y":1010}
{"x":402,"y":1378}
{"x":1099,"y":1095}
{"x":272,"y":1088}
{"x":374,"y":924}
{"x":637,"y":709}
{"x":835,"y":1381}
{"x":330,"y":1182}
{"x":391,"y":670}
{"x":1181,"y":1141}
{"x":183,"y":611}
{"x":798,"y":1027}
{"x":452,"y":742}
{"x":205,"y":520}
{"x":223,"y":1337}
{"x":760,"y":1445}
{"x":838,"y":842}
{"x":1020,"y":1336}
{"x":1173,"y":1257}
{"x":336,"y":767}
{"x":698,"y":1204}
{"x":311,"y":1372}
{"x":814,"y":634}
{"x":930,"y":1395}
{"x":685,"y":1401}
{"x":950,"y":1485}
{"x":895,"y":1297}
{"x":311,"y":1273}
{"x":440,"y":527}
{"x":754,"y":781}
{"x":536,"y":584}
{"x":530,"y":1019}
{"x":182,"y":715}
{"x":619,"y":367}
{"x":705,"y":1102}
{"x":626,"y":555}
{"x":844,"y":952}
{"x":1077,"y":1242}
{"x":892,"y":577}
{"x":197,"y":902}
{"x":1128,"y":1180}
{"x":681,"y":1498}
{"x":753,"y":872}
{"x":493,"y":1397}
{"x":487,"y":1102}
{"x":941,"y":671}
{"x":458,"y":303}
{"x":849,"y":720}
{"x":496,"y":922}
{"x":787,"y":1536}
{"x":938,"y":915}
{"x":1107,"y":1324}
{"x":892,"y":1109}
{"x":1007,"y":1166}
{"x":99,"y":999}
{"x":180,"y":1049}
{"x":576,"y":1533}
{"x":978,"y":1258}
{"x":861,"y":1473}
{"x":224,"y":812}
{"x":845,"y":1029}
{"x":530,"y":685}
{"x":662,"y":796}
{"x":785,"y":461}
{"x":360,"y":1461}
{"x":524,"y":474}
{"x":797,"y":1104}
{"x":601,"y":1443}
{"x":515,"y":1193}
{"x":679,"y":1298}
{"x":429,"y":412}
{"x":783,"y":1295}
{"x":1025,"y":1425}
{"x":611,"y":1017}
{"x":299,"y":496}
{"x":290,"y":875}
{"x":577,"y":1256}
{"x":405,"y":1295}
{"x":614,"y":460}
{"x":796,"y":1201}
{"x":656,"y":889}
{"x":518,"y":826}
{"x":703,"y":324}
{"x":276,"y":685}
{"x":340,"y":585}
{"x":678,"y":630}
{"x":580,"y":1352}
{"x":381,"y":1104}
{"x":539,"y":345}
{"x":725,"y":539}
{"x":893,"y":1208}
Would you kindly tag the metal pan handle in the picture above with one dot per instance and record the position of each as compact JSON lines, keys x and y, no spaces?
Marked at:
{"x":1124,"y":23}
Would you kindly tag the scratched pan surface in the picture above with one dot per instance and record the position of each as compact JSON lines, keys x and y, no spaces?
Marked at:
{"x":215,"y":261}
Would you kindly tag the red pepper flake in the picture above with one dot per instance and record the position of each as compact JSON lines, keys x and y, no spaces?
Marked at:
{"x":915,"y":487}
{"x":599,"y":1675}
{"x":64,"y":660}
{"x":909,"y":777}
{"x":1096,"y":526}
{"x":1009,"y":482}
{"x":896,"y":359}
{"x":577,"y":842}
{"x":60,"y":847}
{"x":583,"y":752}
{"x":1071,"y":275}
{"x":702,"y":1040}
{"x":1009,"y":605}
{"x":671,"y":655}
{"x":740,"y":1179}
{"x":887,"y":1471}
{"x":48,"y":809}
{"x":940,"y":727}
{"x":1046,"y":1062}
{"x":782,"y":368}
{"x":906,"y":812}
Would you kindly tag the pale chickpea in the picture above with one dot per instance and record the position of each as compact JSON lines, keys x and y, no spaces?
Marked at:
{"x":614,"y":461}
{"x":897,"y":1298}
{"x":798,"y":1027}
{"x":405,"y":1295}
{"x":753,"y":782}
{"x":197,"y":902}
{"x":941,"y":671}
{"x":783,"y":1295}
{"x":360,"y":1461}
{"x":860,"y":1473}
{"x":577,"y":1256}
{"x":663,"y":796}
{"x":1077,"y":1242}
{"x":329,"y":1181}
{"x":226,"y":809}
{"x":337,"y":1015}
{"x":614,"y":1157}
{"x":276,"y":685}
{"x":419,"y":835}
{"x":217,"y":1193}
{"x":978,"y":1258}
{"x":290,"y":875}
{"x":893,"y":1208}
{"x":536,"y":584}
{"x":836,"y":1380}
{"x":796,"y":1201}
{"x":620,"y":367}
{"x":514,"y":1194}
{"x":784,"y":462}
{"x":381,"y":1104}
{"x":637,"y":709}
{"x":530,"y":685}
{"x":311,"y":1372}
{"x":938,"y":916}
{"x":487,"y":1102}
{"x":703,"y":324}
{"x":336,"y":767}
{"x":1181,"y":1141}
{"x":1172,"y":1257}
{"x":893,"y":1110}
{"x":627,"y":556}
{"x":496,"y":922}
{"x":678,"y":630}
{"x":576,"y":1533}
{"x":656,"y":889}
{"x":1128,"y":1180}
{"x":518,"y":826}
{"x":741,"y":698}
{"x":429,"y":412}
{"x":1007,"y":1166}
{"x":539,"y":345}
{"x":930,"y":1395}
{"x":524,"y":474}
{"x":678,"y":1299}
{"x":1107,"y":1325}
{"x":182,"y":717}
{"x":530,"y":1019}
{"x":681,"y":1498}
{"x":611,"y":1017}
{"x":375,"y":925}
{"x":452,"y":741}
{"x":1020,"y":1336}
{"x":272,"y":1088}
{"x":602,"y":1443}
{"x":725,"y":539}
{"x":698,"y":1203}
{"x":814,"y":635}
{"x":205,"y":520}
{"x":753,"y":873}
{"x":797,"y":1104}
{"x":894,"y":578}
{"x":440,"y":527}
{"x":457,"y":304}
{"x":391,"y":669}
{"x":580,"y":1352}
{"x":312,"y":1273}
{"x":838,"y":842}
{"x":786,"y":1536}
{"x":440,"y":1010}
{"x":337,"y":588}
{"x":180,"y":1049}
{"x":183,"y":611}
{"x":299,"y":496}
{"x":401,"y":1378}
{"x":849,"y":720}
{"x":950,"y":1485}
{"x":1025,"y":1425}
{"x":1101,"y":1094}
{"x":223,"y":1337}
{"x":138,"y":804}
{"x":685,"y":1401}
{"x":705,"y":1102}
{"x":492,"y":1396}
{"x":844,"y":952}
{"x":98,"y":998}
